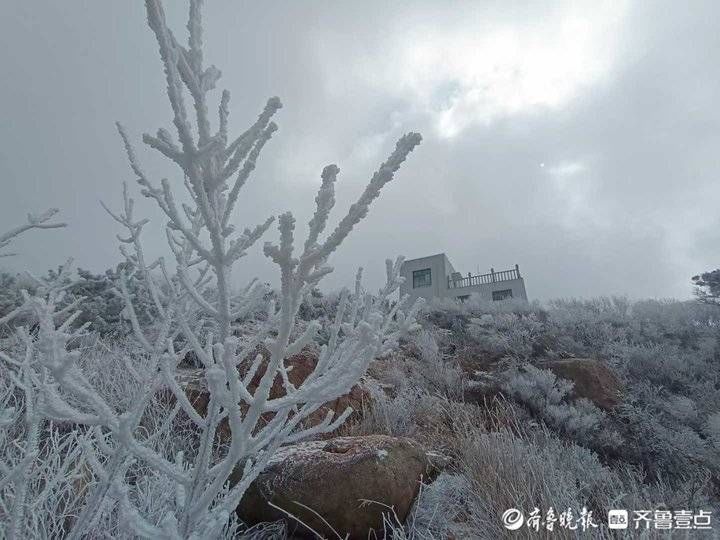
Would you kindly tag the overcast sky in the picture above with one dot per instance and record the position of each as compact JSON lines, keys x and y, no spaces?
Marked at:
{"x":581,"y":141}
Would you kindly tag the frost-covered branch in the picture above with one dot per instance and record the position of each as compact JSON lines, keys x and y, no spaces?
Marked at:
{"x":194,"y":310}
{"x":39,"y":221}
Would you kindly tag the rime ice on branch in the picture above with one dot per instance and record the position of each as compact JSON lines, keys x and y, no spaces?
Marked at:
{"x":195,"y":304}
{"x":33,"y":222}
{"x":194,"y":310}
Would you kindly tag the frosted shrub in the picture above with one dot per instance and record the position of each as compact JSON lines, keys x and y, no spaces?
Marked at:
{"x":10,"y":300}
{"x":186,"y":491}
{"x":44,"y":470}
{"x":476,"y":306}
{"x":581,"y":419}
{"x":312,"y":307}
{"x":666,"y":355}
{"x":682,"y":409}
{"x":661,"y":364}
{"x":712,"y":429}
{"x":536,"y":388}
{"x":114,"y":368}
{"x":680,"y":323}
{"x":535,"y":469}
{"x":546,"y":396}
{"x":102,"y":307}
{"x":615,"y":310}
{"x":441,"y":375}
{"x":512,"y":334}
{"x":427,"y":346}
{"x":396,"y":415}
{"x":412,"y":412}
{"x":439,"y":510}
{"x":585,"y":327}
{"x":10,"y":297}
{"x":50,"y":471}
{"x":460,"y":317}
{"x":11,"y":303}
{"x":666,"y":449}
{"x":527,"y":470}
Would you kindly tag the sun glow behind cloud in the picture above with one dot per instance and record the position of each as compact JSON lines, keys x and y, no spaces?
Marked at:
{"x":572,"y":188}
{"x":476,"y":73}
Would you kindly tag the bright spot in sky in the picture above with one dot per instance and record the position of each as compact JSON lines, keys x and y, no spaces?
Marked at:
{"x":481,"y":70}
{"x":573,"y":187}
{"x":567,"y":169}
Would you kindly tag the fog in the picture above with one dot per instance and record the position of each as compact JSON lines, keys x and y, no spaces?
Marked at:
{"x":579,"y":141}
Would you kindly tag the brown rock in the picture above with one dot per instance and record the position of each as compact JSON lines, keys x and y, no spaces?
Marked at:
{"x":358,"y":399}
{"x":192,"y":380}
{"x":593,"y":380}
{"x":335,"y":478}
{"x":300,"y":366}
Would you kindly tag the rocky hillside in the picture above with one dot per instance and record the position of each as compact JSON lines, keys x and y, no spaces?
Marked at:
{"x":562,"y":411}
{"x":572,"y":408}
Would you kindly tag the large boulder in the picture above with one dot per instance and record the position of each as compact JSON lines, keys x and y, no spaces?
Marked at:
{"x":346,"y":482}
{"x":592,"y":380}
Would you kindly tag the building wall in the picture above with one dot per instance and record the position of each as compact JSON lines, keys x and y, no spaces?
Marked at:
{"x":437,"y":265}
{"x":440,"y":268}
{"x":517,"y":286}
{"x":449,"y":270}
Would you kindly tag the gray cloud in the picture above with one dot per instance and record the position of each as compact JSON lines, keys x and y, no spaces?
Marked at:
{"x":577,"y":142}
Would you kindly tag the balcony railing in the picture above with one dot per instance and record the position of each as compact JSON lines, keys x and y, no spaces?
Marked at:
{"x":483,"y":279}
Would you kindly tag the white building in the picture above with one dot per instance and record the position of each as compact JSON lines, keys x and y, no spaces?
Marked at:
{"x":434,"y":277}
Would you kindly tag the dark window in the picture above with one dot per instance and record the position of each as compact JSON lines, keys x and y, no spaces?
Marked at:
{"x":421,"y":278}
{"x":502,"y":295}
{"x":463,"y":297}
